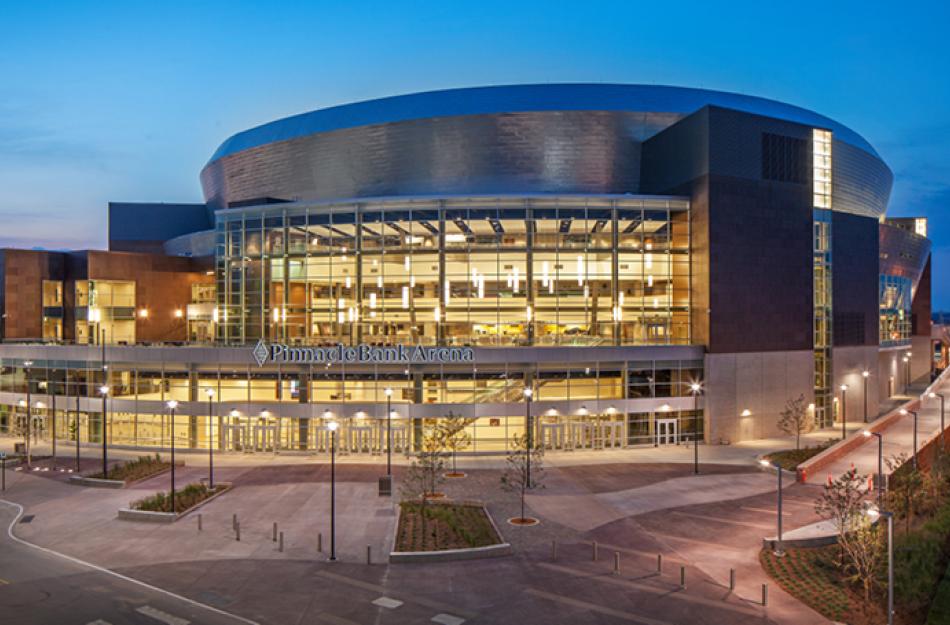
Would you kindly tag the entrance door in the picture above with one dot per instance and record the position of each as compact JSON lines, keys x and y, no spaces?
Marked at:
{"x":667,"y":432}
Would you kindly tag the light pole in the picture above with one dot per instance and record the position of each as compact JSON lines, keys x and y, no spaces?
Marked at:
{"x":913,"y":412}
{"x":172,"y":404}
{"x":528,"y":429}
{"x":29,"y":416}
{"x":874,"y":513}
{"x":844,"y":411}
{"x":210,"y":393}
{"x":779,"y":551}
{"x":332,"y":426}
{"x":906,"y":371}
{"x":389,"y":430}
{"x":942,"y":425}
{"x":865,"y":375}
{"x":104,"y":391}
{"x":880,"y":464}
{"x":695,"y":388}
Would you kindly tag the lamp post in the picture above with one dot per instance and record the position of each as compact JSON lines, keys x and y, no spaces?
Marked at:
{"x":906,"y":371}
{"x":865,"y":375}
{"x":874,"y":513}
{"x":942,"y":425}
{"x":172,"y":404}
{"x":695,"y":388}
{"x":779,"y":551}
{"x":29,"y":416}
{"x":880,"y":464}
{"x":528,"y":429}
{"x":104,"y":391}
{"x":844,"y":411}
{"x":913,"y":412}
{"x":389,"y":430}
{"x":210,"y":393}
{"x":332,"y":426}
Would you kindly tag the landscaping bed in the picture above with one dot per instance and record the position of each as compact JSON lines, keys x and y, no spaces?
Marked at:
{"x":447,"y":526}
{"x":185,"y":499}
{"x":789,"y":459}
{"x":136,"y":470}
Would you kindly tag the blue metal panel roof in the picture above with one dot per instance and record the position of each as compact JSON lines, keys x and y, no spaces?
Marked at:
{"x":523,"y":98}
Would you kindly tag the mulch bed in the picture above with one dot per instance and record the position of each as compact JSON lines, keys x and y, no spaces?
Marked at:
{"x":447,"y":526}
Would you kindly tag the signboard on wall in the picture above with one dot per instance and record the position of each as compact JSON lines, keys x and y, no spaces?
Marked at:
{"x":360,"y":354}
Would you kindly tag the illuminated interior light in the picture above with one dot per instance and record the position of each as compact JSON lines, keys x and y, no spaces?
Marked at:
{"x":436,"y":314}
{"x":412,"y":281}
{"x":515,"y":280}
{"x":179,"y":313}
{"x":348,"y":282}
{"x":656,"y":302}
{"x":379,"y":282}
{"x":648,"y":260}
{"x":276,"y":315}
{"x":481,"y":287}
{"x":214,"y":315}
{"x":474,"y":277}
{"x":143,"y":313}
{"x":527,"y":313}
{"x":545,"y":277}
{"x":372,"y":301}
{"x":455,"y":237}
{"x":283,"y":314}
{"x":551,"y":287}
{"x":448,"y":292}
{"x":340,"y":318}
{"x":509,"y":280}
{"x":620,"y":298}
{"x":580,"y":271}
{"x":406,"y":263}
{"x":341,"y":303}
{"x":650,"y":280}
{"x":405,"y":297}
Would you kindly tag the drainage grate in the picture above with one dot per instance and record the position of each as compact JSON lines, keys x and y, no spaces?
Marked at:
{"x":27,"y":518}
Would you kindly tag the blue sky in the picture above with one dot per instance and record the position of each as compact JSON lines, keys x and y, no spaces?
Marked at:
{"x":125,"y":101}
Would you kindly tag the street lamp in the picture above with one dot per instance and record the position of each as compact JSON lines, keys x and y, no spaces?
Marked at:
{"x":29,"y":416}
{"x":527,"y":426}
{"x":172,"y":404}
{"x":779,"y":551}
{"x":942,"y":426}
{"x":913,"y":412}
{"x":389,"y":430}
{"x":210,"y":393}
{"x":104,"y":391}
{"x":907,"y":370}
{"x":874,"y":513}
{"x":844,"y":411}
{"x":332,"y":426}
{"x":865,"y":375}
{"x":880,"y":464}
{"x":695,"y":388}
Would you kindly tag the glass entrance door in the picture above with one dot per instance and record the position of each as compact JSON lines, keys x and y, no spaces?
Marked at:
{"x":667,"y":432}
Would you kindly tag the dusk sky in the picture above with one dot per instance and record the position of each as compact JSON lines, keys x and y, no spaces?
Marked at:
{"x":126,"y":101}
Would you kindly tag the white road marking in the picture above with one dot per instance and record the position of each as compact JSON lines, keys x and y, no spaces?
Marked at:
{"x":447,"y":619}
{"x":387,"y":602}
{"x":164,"y":617}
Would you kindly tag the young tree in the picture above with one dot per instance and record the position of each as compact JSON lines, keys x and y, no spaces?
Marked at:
{"x":842,"y":501}
{"x":905,"y":487}
{"x":796,"y":419}
{"x":457,"y":438}
{"x":864,"y":548}
{"x":516,"y":476}
{"x":425,"y":472}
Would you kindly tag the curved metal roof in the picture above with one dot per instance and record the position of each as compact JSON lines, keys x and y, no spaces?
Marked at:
{"x":524,"y":98}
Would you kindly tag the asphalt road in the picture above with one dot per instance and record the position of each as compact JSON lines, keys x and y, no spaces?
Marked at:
{"x":42,"y":588}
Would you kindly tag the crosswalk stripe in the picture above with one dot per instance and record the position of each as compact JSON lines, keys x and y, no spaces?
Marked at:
{"x":164,"y":617}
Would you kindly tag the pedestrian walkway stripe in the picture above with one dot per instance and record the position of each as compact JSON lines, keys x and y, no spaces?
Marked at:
{"x":593,"y":607}
{"x":447,"y":619}
{"x":164,"y":617}
{"x":716,"y":519}
{"x":358,"y":583}
{"x":665,"y":592}
{"x":764,"y":510}
{"x":388,"y":602}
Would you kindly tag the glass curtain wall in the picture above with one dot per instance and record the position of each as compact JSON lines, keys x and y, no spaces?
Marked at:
{"x":474,"y":271}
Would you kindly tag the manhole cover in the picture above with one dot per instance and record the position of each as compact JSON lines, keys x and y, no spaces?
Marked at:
{"x":27,"y":518}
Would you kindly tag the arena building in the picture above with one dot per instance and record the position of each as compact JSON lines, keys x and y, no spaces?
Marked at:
{"x":629,"y":265}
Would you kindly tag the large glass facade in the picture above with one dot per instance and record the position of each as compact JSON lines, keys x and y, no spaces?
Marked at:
{"x":571,"y":270}
{"x":895,"y":310}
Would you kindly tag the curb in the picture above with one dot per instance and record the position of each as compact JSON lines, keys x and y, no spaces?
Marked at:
{"x":150,"y":516}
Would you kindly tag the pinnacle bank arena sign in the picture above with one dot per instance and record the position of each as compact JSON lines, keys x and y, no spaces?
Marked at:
{"x":360,"y":354}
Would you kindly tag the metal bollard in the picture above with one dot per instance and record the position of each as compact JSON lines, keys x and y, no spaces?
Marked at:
{"x":594,"y":550}
{"x":275,"y":531}
{"x":683,"y":577}
{"x":659,"y":563}
{"x":280,"y":544}
{"x":616,"y":563}
{"x":732,"y":579}
{"x":554,"y":550}
{"x":369,"y":555}
{"x":319,"y":543}
{"x":237,"y":532}
{"x":234,"y":521}
{"x":199,"y":521}
{"x":765,"y":595}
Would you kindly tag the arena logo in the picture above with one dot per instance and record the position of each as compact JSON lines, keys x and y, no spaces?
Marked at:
{"x":360,"y":354}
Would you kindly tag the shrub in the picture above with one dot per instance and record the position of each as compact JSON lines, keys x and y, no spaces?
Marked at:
{"x":919,"y":558}
{"x":185,"y":498}
{"x":135,"y":470}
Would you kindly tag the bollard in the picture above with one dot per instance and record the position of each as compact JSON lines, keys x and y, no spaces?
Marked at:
{"x":765,"y":595}
{"x":275,"y":531}
{"x":319,"y":543}
{"x":616,"y":563}
{"x":369,"y":555}
{"x":683,"y":577}
{"x":554,"y":550}
{"x":234,"y":521}
{"x":280,"y":545}
{"x":594,"y":550}
{"x":237,"y":532}
{"x":199,"y":521}
{"x":732,"y":579}
{"x":659,"y":563}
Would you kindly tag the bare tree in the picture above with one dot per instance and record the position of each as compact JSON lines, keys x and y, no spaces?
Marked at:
{"x":864,"y":548}
{"x":842,"y":501}
{"x":516,"y":476}
{"x":456,"y":436}
{"x":796,"y":419}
